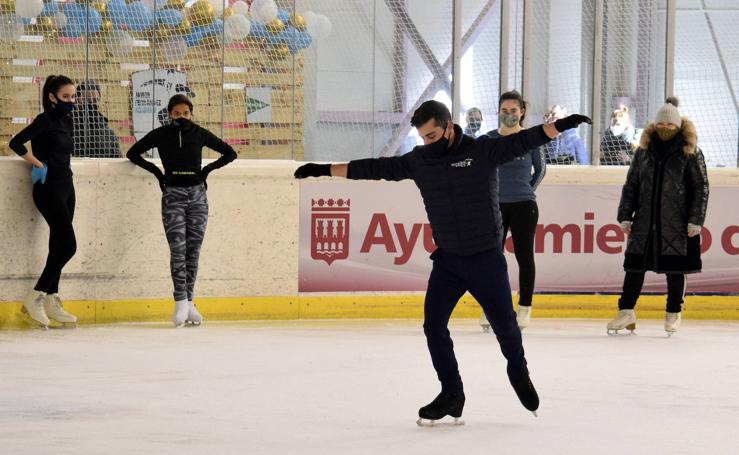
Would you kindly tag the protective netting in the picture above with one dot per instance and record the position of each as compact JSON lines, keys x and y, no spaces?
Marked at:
{"x":561,"y":73}
{"x":338,"y":79}
{"x":707,"y":78}
{"x":632,"y":88}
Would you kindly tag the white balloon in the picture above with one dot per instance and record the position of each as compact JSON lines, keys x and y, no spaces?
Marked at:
{"x":319,"y":26}
{"x":218,"y":6}
{"x":327,"y":26}
{"x":60,"y":20}
{"x":266,"y":12}
{"x":11,"y":27}
{"x":29,"y":8}
{"x":119,"y":43}
{"x":173,"y":49}
{"x":240,"y":7}
{"x":237,"y":27}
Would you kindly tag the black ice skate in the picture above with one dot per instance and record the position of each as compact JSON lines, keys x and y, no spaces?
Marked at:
{"x":445,"y":404}
{"x":526,"y":392}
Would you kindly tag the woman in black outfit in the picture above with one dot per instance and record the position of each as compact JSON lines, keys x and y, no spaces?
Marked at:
{"x":184,"y":197}
{"x":52,"y":145}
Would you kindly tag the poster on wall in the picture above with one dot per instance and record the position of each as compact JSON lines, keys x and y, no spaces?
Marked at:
{"x":374,"y":236}
{"x":151,"y":91}
{"x":258,"y":104}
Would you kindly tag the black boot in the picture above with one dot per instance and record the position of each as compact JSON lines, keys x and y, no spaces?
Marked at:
{"x":446,"y":403}
{"x":525,"y":391}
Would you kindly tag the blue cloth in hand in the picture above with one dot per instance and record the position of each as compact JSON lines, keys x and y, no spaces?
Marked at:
{"x":39,"y":173}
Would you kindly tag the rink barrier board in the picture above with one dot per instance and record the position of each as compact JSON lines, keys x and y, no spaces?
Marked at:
{"x":367,"y":307}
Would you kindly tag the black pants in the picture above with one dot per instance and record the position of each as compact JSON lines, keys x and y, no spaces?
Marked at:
{"x":485,"y":276}
{"x":55,"y":200}
{"x":633,"y":282}
{"x":521,"y":219}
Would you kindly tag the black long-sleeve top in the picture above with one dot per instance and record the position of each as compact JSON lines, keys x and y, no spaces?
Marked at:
{"x":180,"y":149}
{"x":52,"y":142}
{"x":459,"y":185}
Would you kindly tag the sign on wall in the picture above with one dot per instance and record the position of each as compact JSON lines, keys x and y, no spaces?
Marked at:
{"x":258,"y":104}
{"x":151,"y":91}
{"x":374,"y":236}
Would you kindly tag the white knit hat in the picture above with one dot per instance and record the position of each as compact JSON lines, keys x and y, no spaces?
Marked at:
{"x":668,"y":113}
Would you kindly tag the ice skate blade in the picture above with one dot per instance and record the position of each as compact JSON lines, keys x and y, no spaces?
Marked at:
{"x":64,"y":326}
{"x":428,"y":423}
{"x":670,"y":333}
{"x":192,"y":324}
{"x":25,"y":317}
{"x":614,"y":332}
{"x":535,"y":414}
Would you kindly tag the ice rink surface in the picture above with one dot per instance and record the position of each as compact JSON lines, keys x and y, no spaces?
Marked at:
{"x":354,"y":387}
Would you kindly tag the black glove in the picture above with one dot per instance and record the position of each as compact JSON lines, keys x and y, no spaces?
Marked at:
{"x":203,"y":174}
{"x":571,"y":121}
{"x":313,"y":170}
{"x":162,"y":181}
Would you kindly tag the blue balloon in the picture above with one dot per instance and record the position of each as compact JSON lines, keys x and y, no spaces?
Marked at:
{"x":117,"y":12}
{"x":281,"y":38}
{"x":170,"y":17}
{"x":50,"y":9}
{"x":214,"y":28}
{"x":303,"y":39}
{"x":73,"y":29}
{"x":139,"y":17}
{"x":259,"y":30}
{"x":193,"y":38}
{"x":284,"y":16}
{"x":80,"y":17}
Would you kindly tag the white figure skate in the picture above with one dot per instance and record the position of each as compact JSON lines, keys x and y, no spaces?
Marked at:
{"x":484,"y":323}
{"x":672,"y":323}
{"x":523,"y":317}
{"x":33,"y":310}
{"x":194,"y":317}
{"x":625,"y":319}
{"x":181,"y":312}
{"x":55,"y":311}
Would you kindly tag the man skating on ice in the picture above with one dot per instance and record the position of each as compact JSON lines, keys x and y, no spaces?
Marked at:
{"x":457,"y":177}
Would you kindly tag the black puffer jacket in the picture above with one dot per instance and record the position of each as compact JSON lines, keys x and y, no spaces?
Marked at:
{"x":459,"y":185}
{"x":666,"y":188}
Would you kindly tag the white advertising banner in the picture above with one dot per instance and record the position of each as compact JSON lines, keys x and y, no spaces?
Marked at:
{"x":374,"y":236}
{"x":151,"y":91}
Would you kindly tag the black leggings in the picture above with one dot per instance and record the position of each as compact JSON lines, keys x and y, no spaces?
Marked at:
{"x":633,"y":282}
{"x":55,"y":200}
{"x":521,"y":219}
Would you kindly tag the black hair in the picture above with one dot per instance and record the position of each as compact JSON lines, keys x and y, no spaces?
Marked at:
{"x":431,"y":110}
{"x":52,"y":85}
{"x":88,"y":85}
{"x":178,"y":99}
{"x":514,"y":96}
{"x":672,"y":100}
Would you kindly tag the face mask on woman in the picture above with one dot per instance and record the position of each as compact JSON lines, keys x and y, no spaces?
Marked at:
{"x":509,"y":120}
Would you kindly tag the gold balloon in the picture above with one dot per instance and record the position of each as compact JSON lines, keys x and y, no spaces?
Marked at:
{"x":164,"y":31}
{"x":176,"y":4}
{"x":201,"y":13}
{"x":298,"y":22}
{"x":184,"y":28}
{"x":44,"y":23}
{"x":101,"y":7}
{"x":7,"y":5}
{"x":228,"y":12}
{"x":279,"y":52}
{"x":106,"y":26}
{"x":276,"y":26}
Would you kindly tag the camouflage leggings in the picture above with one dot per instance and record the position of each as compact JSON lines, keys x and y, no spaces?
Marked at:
{"x":185,"y":216}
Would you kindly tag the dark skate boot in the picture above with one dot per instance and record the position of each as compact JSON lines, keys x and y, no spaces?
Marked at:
{"x":445,"y":404}
{"x":526,"y":392}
